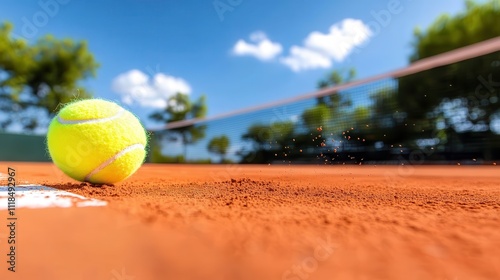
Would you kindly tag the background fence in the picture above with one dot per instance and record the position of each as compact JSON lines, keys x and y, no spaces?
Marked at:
{"x":21,"y":147}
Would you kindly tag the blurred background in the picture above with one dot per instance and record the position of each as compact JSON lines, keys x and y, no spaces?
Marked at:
{"x":281,"y":82}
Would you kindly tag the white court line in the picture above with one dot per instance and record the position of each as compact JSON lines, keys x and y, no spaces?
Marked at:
{"x":38,"y":196}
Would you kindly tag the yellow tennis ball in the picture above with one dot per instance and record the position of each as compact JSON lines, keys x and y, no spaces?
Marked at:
{"x":96,"y":141}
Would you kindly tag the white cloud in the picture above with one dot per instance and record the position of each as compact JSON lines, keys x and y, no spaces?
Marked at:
{"x":303,"y":59}
{"x":320,"y":50}
{"x":341,"y":40}
{"x":135,"y":87}
{"x":260,"y":47}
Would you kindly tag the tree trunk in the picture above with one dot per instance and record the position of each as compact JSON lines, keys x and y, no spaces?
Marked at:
{"x":487,"y":147}
{"x":184,"y":146}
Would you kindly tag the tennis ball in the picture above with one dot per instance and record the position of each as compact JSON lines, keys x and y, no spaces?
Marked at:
{"x":96,"y":141}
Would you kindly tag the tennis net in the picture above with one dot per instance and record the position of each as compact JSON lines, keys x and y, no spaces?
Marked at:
{"x":440,"y":109}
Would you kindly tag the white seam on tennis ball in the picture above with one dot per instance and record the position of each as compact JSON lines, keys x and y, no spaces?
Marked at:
{"x":112,"y":159}
{"x":115,"y":116}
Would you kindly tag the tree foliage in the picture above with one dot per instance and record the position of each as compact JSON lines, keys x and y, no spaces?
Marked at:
{"x":477,"y":23}
{"x":328,"y":107}
{"x":180,"y":107}
{"x":264,"y":136}
{"x":382,"y":121}
{"x":337,"y":77}
{"x":266,"y":140}
{"x":335,"y":101}
{"x":219,"y":146}
{"x":35,"y":79}
{"x":317,"y":116}
{"x":462,"y":97}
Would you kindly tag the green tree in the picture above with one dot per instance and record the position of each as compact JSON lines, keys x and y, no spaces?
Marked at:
{"x":155,"y":154}
{"x":219,"y":146}
{"x":321,"y":117}
{"x":268,"y":140}
{"x":271,"y":136}
{"x":35,"y":79}
{"x":335,"y":78}
{"x":381,"y":121}
{"x":477,"y":23}
{"x":181,"y":108}
{"x":317,"y":116}
{"x":462,"y":97}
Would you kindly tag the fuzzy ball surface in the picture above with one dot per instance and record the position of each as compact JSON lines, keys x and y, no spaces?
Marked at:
{"x":96,"y":141}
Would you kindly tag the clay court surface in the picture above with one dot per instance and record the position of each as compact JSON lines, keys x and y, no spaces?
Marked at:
{"x":265,"y":222}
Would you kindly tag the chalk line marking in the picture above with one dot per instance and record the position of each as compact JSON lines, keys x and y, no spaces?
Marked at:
{"x":38,"y":196}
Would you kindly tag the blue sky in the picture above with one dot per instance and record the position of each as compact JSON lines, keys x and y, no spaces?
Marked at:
{"x":239,"y":53}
